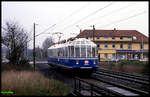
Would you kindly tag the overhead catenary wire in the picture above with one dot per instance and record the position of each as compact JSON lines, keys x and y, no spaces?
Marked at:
{"x":114,"y":11}
{"x":78,"y":10}
{"x":107,"y":24}
{"x":73,"y":13}
{"x":81,"y":8}
{"x":100,"y":9}
{"x":61,"y":20}
{"x":120,"y":20}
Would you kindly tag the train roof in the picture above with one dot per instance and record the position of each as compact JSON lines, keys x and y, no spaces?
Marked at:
{"x":76,"y":42}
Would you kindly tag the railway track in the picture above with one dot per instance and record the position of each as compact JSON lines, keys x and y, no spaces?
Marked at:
{"x":99,"y":84}
{"x":134,"y":82}
{"x":107,"y":87}
{"x":133,"y":76}
{"x":85,"y":87}
{"x":116,"y":84}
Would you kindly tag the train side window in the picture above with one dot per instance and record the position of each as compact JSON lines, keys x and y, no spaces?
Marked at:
{"x":89,"y":51}
{"x":66,"y":52}
{"x":82,"y":42}
{"x":83,"y":51}
{"x":62,"y":52}
{"x":77,"y":50}
{"x":59,"y":52}
{"x":69,"y":51}
{"x":93,"y":51}
{"x":72,"y":51}
{"x":96,"y":52}
{"x":78,"y":42}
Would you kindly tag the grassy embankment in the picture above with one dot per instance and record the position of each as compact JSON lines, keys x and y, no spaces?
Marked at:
{"x":24,"y":82}
{"x":134,"y":67}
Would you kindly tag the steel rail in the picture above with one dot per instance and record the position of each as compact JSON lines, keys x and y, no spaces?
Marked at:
{"x":138,"y":77}
{"x":140,"y":92}
{"x":124,"y":78}
{"x":97,"y":89}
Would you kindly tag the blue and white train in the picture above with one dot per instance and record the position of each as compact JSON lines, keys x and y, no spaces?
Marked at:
{"x":79,"y":54}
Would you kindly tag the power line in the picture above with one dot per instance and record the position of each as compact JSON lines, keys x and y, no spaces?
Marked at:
{"x":125,"y":18}
{"x":89,"y":15}
{"x":115,"y":11}
{"x":75,"y":12}
{"x":45,"y":30}
{"x":63,"y":19}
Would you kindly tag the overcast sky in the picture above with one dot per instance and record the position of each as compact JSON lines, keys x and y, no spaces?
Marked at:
{"x":67,"y":15}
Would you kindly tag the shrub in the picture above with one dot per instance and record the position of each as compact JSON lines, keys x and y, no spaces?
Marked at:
{"x":111,"y":65}
{"x":24,"y":61}
{"x":145,"y":68}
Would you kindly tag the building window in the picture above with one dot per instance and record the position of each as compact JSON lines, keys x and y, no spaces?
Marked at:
{"x":129,"y":38}
{"x":98,"y":45}
{"x":105,"y":56}
{"x":141,"y":46}
{"x":105,"y":38}
{"x":105,"y":46}
{"x":134,"y":37}
{"x":121,"y":38}
{"x":129,"y":46}
{"x":113,"y":38}
{"x":97,"y":38}
{"x":113,"y":56}
{"x":113,"y":46}
{"x":121,"y":46}
{"x":91,"y":38}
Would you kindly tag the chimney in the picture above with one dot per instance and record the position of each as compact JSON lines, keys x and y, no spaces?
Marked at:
{"x":80,"y":30}
{"x":114,"y":30}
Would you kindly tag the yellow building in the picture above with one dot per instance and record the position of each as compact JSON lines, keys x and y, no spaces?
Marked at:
{"x":118,"y":44}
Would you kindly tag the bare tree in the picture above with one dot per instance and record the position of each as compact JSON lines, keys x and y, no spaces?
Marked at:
{"x":15,"y":38}
{"x":46,"y":44}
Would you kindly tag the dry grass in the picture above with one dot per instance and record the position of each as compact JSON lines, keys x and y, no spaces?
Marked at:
{"x":9,"y":67}
{"x":32,"y":83}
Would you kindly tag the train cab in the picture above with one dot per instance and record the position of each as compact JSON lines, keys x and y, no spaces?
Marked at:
{"x":83,"y":53}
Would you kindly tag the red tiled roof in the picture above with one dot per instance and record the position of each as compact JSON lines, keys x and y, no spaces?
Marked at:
{"x":110,"y":33}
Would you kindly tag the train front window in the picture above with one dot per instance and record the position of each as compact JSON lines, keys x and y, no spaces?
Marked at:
{"x":82,"y":42}
{"x":77,"y":50}
{"x":93,"y":51}
{"x":89,"y":51}
{"x":83,"y":51}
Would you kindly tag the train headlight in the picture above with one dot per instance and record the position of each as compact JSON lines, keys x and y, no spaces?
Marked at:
{"x":94,"y":62}
{"x":77,"y":62}
{"x":86,"y":62}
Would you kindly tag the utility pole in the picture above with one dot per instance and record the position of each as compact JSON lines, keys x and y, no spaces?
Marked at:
{"x":93,"y":32}
{"x":142,"y":47}
{"x":34,"y":46}
{"x":79,"y":28}
{"x":26,"y":51}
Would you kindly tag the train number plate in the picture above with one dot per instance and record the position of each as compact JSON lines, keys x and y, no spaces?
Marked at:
{"x":86,"y":62}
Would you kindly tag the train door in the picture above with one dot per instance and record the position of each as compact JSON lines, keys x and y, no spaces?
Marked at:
{"x":99,"y":57}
